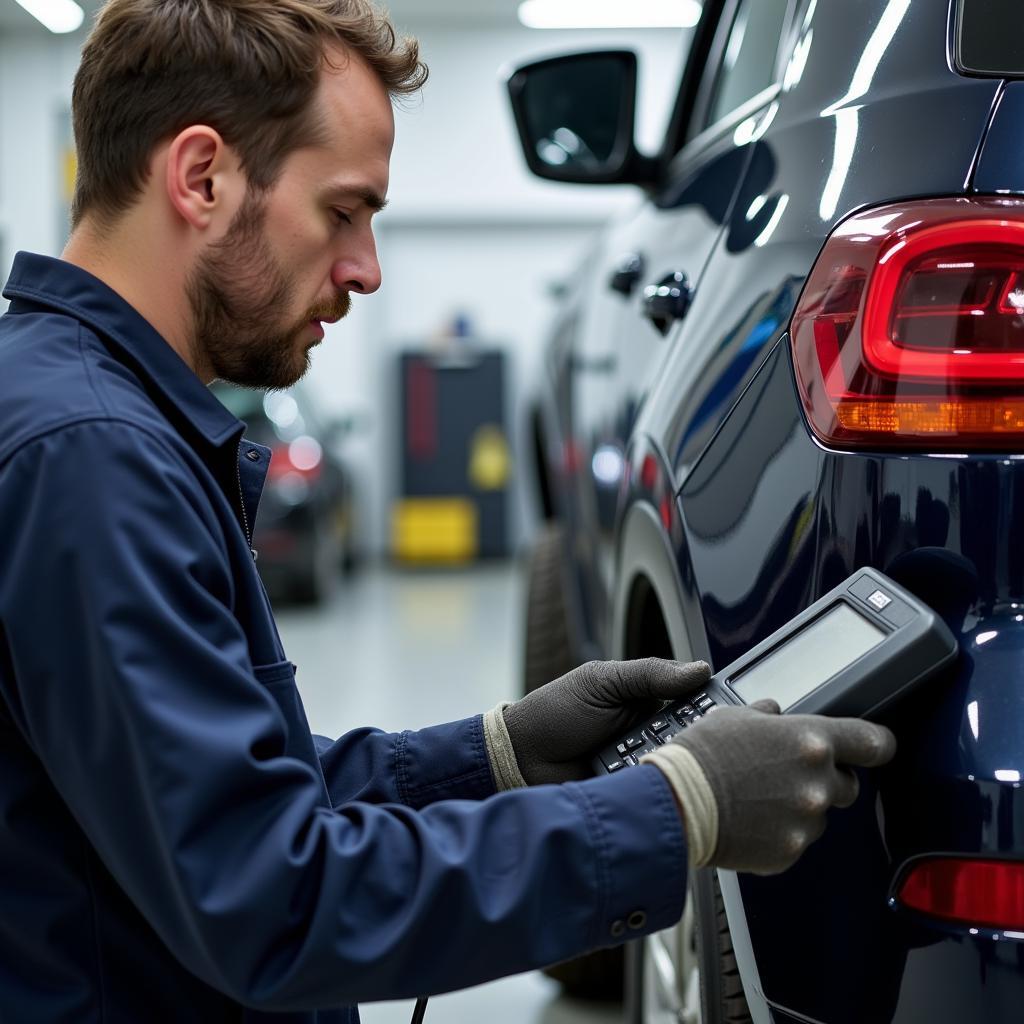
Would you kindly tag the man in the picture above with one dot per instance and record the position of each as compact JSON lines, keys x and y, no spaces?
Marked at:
{"x":176,"y":845}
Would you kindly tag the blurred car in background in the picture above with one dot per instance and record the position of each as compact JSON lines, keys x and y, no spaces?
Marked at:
{"x":304,"y":533}
{"x":803,"y":353}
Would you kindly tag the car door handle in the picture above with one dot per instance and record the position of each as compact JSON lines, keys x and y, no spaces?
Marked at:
{"x":668,"y":300}
{"x":627,"y":274}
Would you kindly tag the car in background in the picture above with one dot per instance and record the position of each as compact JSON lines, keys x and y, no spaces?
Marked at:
{"x":304,"y":533}
{"x":801,"y":354}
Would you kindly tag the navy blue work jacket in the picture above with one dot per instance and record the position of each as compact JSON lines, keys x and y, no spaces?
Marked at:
{"x":175,"y":845}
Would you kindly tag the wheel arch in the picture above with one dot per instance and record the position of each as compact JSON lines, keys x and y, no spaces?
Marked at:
{"x":652,"y":603}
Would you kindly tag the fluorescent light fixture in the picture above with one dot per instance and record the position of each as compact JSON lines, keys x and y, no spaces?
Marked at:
{"x":57,"y":15}
{"x":609,"y":13}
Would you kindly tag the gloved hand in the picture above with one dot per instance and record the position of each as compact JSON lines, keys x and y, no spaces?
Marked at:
{"x":556,"y":730}
{"x":754,"y":786}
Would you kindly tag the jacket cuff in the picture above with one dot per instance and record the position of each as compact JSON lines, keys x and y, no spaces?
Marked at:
{"x":504,"y":766}
{"x":641,"y":876}
{"x":443,"y":762}
{"x":695,"y":797}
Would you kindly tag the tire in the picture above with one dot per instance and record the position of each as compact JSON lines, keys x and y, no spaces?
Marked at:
{"x":721,"y":991}
{"x":710,"y":990}
{"x":547,"y":645}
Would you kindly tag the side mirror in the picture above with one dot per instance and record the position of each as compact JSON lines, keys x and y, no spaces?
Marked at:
{"x":576,"y":116}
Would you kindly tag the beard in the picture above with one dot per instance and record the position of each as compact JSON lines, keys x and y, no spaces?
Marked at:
{"x":237,"y":291}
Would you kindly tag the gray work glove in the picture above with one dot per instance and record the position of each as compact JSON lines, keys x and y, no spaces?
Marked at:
{"x":555,"y":731}
{"x":754,"y":786}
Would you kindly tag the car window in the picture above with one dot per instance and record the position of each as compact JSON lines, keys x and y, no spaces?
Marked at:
{"x":748,"y":60}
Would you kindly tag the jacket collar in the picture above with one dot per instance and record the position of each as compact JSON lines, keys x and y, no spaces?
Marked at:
{"x":53,"y":283}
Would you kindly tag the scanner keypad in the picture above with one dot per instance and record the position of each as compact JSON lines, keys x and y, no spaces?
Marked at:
{"x":661,"y":729}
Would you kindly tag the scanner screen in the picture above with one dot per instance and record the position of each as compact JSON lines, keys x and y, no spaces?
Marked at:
{"x":810,"y":658}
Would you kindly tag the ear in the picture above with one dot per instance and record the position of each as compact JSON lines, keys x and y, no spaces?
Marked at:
{"x":200,"y":176}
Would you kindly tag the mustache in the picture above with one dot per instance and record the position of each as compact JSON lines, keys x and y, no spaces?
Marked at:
{"x":334,"y":310}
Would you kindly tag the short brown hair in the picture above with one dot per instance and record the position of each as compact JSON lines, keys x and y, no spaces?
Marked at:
{"x":248,"y":68}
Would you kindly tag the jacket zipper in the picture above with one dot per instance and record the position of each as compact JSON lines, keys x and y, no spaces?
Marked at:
{"x":241,"y":503}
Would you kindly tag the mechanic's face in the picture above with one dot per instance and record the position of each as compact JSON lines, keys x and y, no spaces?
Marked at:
{"x":292,"y":255}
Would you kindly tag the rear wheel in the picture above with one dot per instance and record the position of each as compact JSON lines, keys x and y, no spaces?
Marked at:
{"x":688,"y":974}
{"x":721,"y":990}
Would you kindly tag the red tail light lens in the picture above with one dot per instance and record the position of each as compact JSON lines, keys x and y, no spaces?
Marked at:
{"x":984,"y":893}
{"x":910,"y":330}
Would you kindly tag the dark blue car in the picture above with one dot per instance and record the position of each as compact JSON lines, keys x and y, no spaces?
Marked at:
{"x":804,"y":354}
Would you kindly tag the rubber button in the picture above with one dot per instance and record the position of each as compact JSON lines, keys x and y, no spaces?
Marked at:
{"x":618,"y":929}
{"x":684,"y":711}
{"x":898,"y":614}
{"x":637,"y":920}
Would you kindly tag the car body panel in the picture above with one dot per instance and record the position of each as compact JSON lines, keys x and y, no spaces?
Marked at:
{"x":696,"y":374}
{"x":619,"y":350}
{"x":738,"y":519}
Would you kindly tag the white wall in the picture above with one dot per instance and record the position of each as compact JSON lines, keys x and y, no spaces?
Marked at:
{"x":36,"y":72}
{"x":456,"y":151}
{"x":467,"y":229}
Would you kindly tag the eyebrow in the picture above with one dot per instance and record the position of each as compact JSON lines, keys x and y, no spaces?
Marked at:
{"x":374,"y":200}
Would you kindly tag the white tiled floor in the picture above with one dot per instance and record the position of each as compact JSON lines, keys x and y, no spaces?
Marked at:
{"x":404,"y":649}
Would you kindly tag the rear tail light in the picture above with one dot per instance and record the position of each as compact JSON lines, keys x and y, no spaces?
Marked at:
{"x":983,"y":893}
{"x":910,"y":330}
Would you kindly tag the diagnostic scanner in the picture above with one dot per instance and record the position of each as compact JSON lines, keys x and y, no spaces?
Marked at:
{"x":851,"y":653}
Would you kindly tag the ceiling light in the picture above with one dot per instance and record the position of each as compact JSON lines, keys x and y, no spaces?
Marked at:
{"x":57,"y":15}
{"x":609,"y":13}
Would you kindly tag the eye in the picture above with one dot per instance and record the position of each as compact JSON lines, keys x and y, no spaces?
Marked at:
{"x":340,"y":216}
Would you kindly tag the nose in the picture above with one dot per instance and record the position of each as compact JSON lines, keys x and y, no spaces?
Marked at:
{"x":359,"y":269}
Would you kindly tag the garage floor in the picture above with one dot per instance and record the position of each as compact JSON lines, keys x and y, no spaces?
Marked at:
{"x":405,"y":649}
